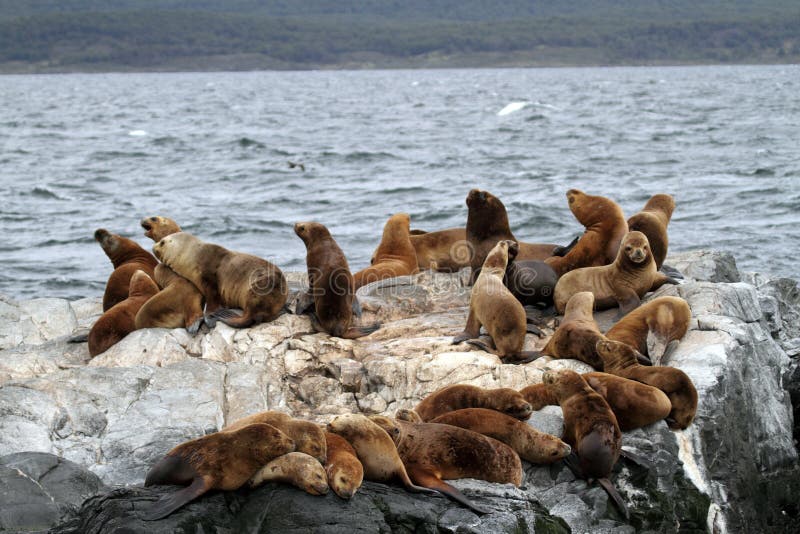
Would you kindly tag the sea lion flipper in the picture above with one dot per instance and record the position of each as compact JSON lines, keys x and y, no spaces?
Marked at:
{"x":627,"y":303}
{"x":481,"y":345}
{"x":429,"y":480}
{"x":194,"y":327}
{"x":533,"y":329}
{"x":661,"y":279}
{"x":671,"y":272}
{"x":79,"y":338}
{"x":417,"y":232}
{"x":574,"y":465}
{"x":563,"y":251}
{"x":304,"y":302}
{"x":355,"y":332}
{"x":526,"y":356}
{"x":356,"y":307}
{"x":169,"y":503}
{"x":615,"y":496}
{"x":656,"y":347}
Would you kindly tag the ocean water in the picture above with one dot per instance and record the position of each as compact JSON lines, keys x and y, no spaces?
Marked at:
{"x":211,"y":150}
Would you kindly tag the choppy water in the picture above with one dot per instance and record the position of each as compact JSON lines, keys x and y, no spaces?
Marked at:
{"x":79,"y":152}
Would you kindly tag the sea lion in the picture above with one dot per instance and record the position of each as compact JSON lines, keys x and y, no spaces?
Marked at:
{"x":622,"y":283}
{"x":445,"y":251}
{"x":577,"y":334}
{"x":662,"y":322}
{"x":634,"y":404}
{"x":434,"y":452}
{"x":493,"y":306}
{"x":532,"y":282}
{"x":531,"y":445}
{"x":179,"y":304}
{"x":605,"y":227}
{"x":652,"y":221}
{"x":295,"y":468}
{"x":120,"y":320}
{"x":461,"y":396}
{"x":226,"y":278}
{"x":590,"y":427}
{"x":127,"y":257}
{"x":375,"y":449}
{"x":343,"y":468}
{"x":330,"y":284}
{"x":395,"y":256}
{"x":223,"y":460}
{"x":308,"y":437}
{"x":158,"y":227}
{"x":621,"y":359}
{"x":487,"y":223}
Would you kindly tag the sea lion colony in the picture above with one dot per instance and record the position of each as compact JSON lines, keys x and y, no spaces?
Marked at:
{"x":458,"y":431}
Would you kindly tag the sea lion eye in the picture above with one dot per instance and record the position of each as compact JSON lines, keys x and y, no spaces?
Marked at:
{"x":628,"y":248}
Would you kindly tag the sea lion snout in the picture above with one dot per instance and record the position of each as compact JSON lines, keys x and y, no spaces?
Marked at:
{"x":476,"y":196}
{"x":636,"y":254}
{"x":549,"y":377}
{"x":101,"y":234}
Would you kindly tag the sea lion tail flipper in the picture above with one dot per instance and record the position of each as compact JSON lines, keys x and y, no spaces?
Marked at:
{"x":481,"y":345}
{"x":169,"y":503}
{"x":526,"y":356}
{"x":233,"y":318}
{"x":356,"y":307}
{"x":194,"y":327}
{"x":79,"y":338}
{"x":303,"y":303}
{"x":656,"y":347}
{"x":671,"y":272}
{"x":672,"y":346}
{"x":355,"y":332}
{"x":538,"y":316}
{"x":574,"y":465}
{"x":533,"y":329}
{"x":615,"y":496}
{"x":563,"y":251}
{"x":429,"y":480}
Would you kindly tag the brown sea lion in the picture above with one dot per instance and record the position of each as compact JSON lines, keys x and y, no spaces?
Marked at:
{"x":433,"y":453}
{"x":664,"y":320}
{"x":492,"y":306}
{"x":127,"y":257}
{"x":223,"y":460}
{"x":120,"y":320}
{"x":461,"y":396}
{"x":179,"y":304}
{"x":375,"y":449}
{"x":330,"y":285}
{"x":634,"y":404}
{"x":623,"y":283}
{"x":531,"y":445}
{"x":487,"y":223}
{"x":226,"y":278}
{"x":395,"y":256}
{"x":652,"y":221}
{"x":445,"y":251}
{"x":621,"y":359}
{"x":343,"y":468}
{"x":308,"y":437}
{"x":590,"y":427}
{"x":295,"y":468}
{"x":605,"y":227}
{"x":157,"y":227}
{"x":577,"y":335}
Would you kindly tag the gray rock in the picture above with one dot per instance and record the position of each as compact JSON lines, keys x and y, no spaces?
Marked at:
{"x":705,"y":265}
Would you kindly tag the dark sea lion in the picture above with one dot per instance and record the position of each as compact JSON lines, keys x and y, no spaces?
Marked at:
{"x":652,"y":221}
{"x":664,"y":320}
{"x":531,"y":445}
{"x":445,"y":251}
{"x":308,"y":437}
{"x":487,"y":223}
{"x":605,"y":227}
{"x":492,"y":306}
{"x":295,"y":468}
{"x":621,"y":359}
{"x":461,"y":396}
{"x":343,"y":468}
{"x":375,"y":449}
{"x":330,"y":284}
{"x":532,"y":282}
{"x":590,"y":427}
{"x":433,"y":453}
{"x":120,"y":320}
{"x":634,"y":404}
{"x":623,"y":283}
{"x":127,"y":257}
{"x":223,"y":460}
{"x":226,"y":278}
{"x":395,"y":255}
{"x":158,"y":227}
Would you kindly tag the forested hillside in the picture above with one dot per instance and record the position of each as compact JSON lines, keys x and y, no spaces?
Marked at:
{"x":46,"y":35}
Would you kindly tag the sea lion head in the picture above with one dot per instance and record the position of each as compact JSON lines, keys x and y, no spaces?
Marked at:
{"x":663,"y":203}
{"x":351,"y":426}
{"x":389,"y":425}
{"x":109,"y":242}
{"x":590,"y":209}
{"x":407,"y":415}
{"x":617,"y":352}
{"x":636,"y":248}
{"x":487,"y":214}
{"x":581,"y":302}
{"x":310,"y":439}
{"x":497,"y":258}
{"x":311,"y":231}
{"x":345,"y":479}
{"x":266,"y":441}
{"x":513,"y":403}
{"x":513,"y":250}
{"x":157,"y":227}
{"x":564,"y":383}
{"x":172,"y":246}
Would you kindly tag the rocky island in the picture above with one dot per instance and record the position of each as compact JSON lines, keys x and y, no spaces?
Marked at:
{"x":78,"y":434}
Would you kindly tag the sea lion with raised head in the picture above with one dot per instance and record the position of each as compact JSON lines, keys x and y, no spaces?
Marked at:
{"x":343,"y":468}
{"x":605,"y":227}
{"x":652,"y":221}
{"x":308,"y":437}
{"x":331,"y":289}
{"x":127,"y":257}
{"x":395,"y":256}
{"x":623,"y":283}
{"x":295,"y":468}
{"x":120,"y":319}
{"x":661,"y":323}
{"x":634,"y":404}
{"x":461,"y":396}
{"x":222,"y":460}
{"x":158,"y":227}
{"x":531,"y":445}
{"x":226,"y":278}
{"x":621,"y":359}
{"x":433,"y":453}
